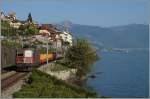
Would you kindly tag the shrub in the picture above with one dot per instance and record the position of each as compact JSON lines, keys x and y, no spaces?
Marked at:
{"x":45,"y":86}
{"x":81,"y":56}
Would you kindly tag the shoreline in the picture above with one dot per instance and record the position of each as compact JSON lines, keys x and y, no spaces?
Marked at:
{"x":67,"y":77}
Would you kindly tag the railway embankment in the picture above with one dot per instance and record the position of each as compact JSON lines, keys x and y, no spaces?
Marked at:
{"x":12,"y":83}
{"x":5,"y":75}
{"x":42,"y":85}
{"x":9,"y":92}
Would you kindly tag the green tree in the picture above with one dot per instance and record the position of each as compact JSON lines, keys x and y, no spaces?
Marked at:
{"x":29,"y":18}
{"x":31,"y":30}
{"x":27,"y":30}
{"x":7,"y":30}
{"x":21,"y":30}
{"x":81,"y":56}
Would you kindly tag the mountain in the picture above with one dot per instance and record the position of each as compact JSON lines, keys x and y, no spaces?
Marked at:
{"x":127,"y":36}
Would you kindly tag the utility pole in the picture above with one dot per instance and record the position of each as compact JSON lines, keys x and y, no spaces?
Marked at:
{"x":22,"y":39}
{"x":47,"y":51}
{"x":22,"y":42}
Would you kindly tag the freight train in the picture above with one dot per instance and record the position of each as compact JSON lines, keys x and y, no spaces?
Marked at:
{"x":27,"y":59}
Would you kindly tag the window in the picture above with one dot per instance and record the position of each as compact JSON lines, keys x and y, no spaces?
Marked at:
{"x":20,"y":54}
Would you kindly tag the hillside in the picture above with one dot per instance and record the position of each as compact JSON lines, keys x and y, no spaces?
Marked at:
{"x":127,"y":36}
{"x":42,"y":85}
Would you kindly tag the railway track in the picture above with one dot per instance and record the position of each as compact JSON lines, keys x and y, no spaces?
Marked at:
{"x":11,"y":80}
{"x":8,"y":69}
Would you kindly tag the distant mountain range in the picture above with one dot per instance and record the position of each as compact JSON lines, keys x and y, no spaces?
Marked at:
{"x":127,"y":36}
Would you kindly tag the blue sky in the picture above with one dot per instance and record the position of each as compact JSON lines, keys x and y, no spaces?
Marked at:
{"x":89,"y":12}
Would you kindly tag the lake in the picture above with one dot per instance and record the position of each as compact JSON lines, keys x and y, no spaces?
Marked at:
{"x":124,"y":75}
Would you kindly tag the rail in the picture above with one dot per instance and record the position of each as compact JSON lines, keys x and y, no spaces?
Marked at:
{"x":11,"y":80}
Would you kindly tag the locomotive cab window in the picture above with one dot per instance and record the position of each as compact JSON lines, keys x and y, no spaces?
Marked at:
{"x":28,"y":53}
{"x":20,"y":54}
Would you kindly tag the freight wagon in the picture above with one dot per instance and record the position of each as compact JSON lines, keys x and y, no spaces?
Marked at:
{"x":8,"y":55}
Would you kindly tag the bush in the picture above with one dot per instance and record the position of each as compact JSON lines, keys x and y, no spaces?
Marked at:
{"x":81,"y":56}
{"x":43,"y":85}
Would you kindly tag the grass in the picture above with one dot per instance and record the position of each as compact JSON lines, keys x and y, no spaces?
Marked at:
{"x":42,"y":85}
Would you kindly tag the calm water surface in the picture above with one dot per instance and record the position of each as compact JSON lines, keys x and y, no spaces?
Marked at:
{"x":123,"y":74}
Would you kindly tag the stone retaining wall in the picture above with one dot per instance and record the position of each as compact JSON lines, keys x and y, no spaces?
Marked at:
{"x":62,"y":75}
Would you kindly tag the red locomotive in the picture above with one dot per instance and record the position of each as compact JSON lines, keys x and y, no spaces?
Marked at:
{"x":27,"y":59}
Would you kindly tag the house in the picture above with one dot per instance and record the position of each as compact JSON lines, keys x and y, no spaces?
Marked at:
{"x":15,"y":24}
{"x":56,"y":37}
{"x":57,"y":44}
{"x":2,"y":16}
{"x":66,"y":37}
{"x":51,"y":32}
{"x":11,"y":18}
{"x":44,"y":32}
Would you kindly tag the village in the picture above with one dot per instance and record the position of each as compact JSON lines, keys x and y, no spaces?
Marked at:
{"x":46,"y":33}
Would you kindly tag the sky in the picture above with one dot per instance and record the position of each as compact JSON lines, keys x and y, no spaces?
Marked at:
{"x":104,"y":13}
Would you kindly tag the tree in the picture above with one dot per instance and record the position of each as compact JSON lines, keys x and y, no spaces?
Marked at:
{"x":7,"y":30}
{"x":27,"y":30}
{"x":29,"y":18}
{"x":81,"y":56}
{"x":31,"y":30}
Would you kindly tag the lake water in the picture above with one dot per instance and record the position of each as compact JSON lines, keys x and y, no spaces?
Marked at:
{"x":123,"y":74}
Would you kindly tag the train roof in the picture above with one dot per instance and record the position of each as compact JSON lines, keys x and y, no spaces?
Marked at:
{"x":23,"y":49}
